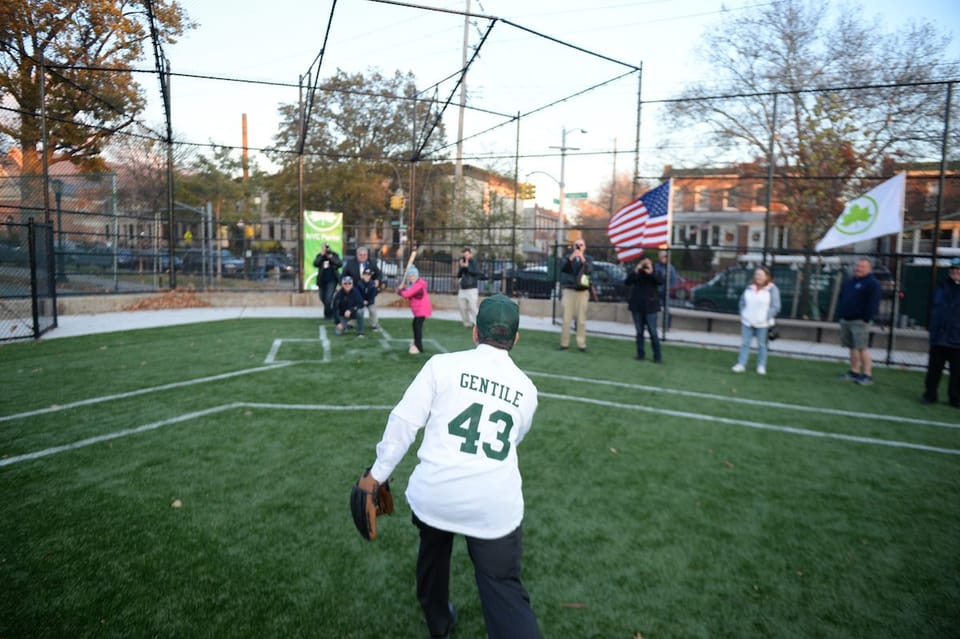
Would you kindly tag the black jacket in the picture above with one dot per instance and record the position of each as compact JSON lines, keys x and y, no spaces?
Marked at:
{"x":572,"y":269}
{"x":644,"y":291}
{"x":945,"y":316}
{"x":354,"y":269}
{"x":469,"y":274}
{"x":328,"y":267}
{"x":343,"y":302}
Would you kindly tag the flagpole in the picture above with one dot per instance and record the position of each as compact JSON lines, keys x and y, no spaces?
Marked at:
{"x":895,"y":311}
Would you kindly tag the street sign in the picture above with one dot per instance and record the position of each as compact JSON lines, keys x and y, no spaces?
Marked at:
{"x":582,"y":195}
{"x":396,"y":223}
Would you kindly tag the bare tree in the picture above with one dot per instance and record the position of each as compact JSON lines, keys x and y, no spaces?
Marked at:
{"x":834,"y":93}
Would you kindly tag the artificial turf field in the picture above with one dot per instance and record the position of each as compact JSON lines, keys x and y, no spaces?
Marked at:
{"x":679,"y":500}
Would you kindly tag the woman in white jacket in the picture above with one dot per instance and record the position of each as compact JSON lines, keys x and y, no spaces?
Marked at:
{"x":759,"y":305}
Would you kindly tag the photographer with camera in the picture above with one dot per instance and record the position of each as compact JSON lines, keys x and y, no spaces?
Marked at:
{"x":644,"y":304}
{"x":468,"y":275}
{"x":328,"y":265}
{"x":759,"y":305}
{"x":575,"y":277}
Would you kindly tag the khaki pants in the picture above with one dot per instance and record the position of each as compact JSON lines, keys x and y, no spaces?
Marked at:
{"x":574,"y":306}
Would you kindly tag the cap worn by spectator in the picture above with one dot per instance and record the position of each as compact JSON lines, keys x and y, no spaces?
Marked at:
{"x":955,"y":262}
{"x":498,"y":320}
{"x":368,"y":271}
{"x":346,"y":279}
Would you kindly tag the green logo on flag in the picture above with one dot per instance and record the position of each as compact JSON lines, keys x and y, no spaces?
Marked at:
{"x":859,"y":216}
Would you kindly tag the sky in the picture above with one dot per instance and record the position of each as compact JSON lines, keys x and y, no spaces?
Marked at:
{"x":518,"y":70}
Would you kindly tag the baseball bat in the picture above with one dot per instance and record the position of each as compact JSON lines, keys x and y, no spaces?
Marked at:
{"x":406,"y":271}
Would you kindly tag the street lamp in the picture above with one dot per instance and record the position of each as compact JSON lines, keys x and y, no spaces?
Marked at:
{"x":58,"y":195}
{"x":563,"y":160}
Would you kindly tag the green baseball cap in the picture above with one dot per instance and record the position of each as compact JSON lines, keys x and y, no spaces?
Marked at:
{"x":498,"y":320}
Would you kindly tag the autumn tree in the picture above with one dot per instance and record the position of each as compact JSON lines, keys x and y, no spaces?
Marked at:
{"x":360,"y":138}
{"x":834,"y":91}
{"x":75,"y":40}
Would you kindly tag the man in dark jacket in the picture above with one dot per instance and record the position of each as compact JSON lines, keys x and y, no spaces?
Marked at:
{"x":575,"y":274}
{"x":328,"y":265}
{"x":355,"y":267}
{"x":858,"y":304}
{"x":467,"y":296}
{"x":945,"y":338}
{"x":347,"y":306}
{"x":644,"y":304}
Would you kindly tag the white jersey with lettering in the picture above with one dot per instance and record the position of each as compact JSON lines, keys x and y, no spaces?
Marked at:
{"x":475,"y":406}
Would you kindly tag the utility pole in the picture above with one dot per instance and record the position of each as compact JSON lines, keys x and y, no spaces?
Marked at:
{"x":458,"y":167}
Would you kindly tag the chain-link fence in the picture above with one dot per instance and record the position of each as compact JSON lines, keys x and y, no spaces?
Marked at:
{"x":27,"y":286}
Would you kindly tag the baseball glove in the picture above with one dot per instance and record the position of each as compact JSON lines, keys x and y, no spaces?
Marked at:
{"x":368,"y":500}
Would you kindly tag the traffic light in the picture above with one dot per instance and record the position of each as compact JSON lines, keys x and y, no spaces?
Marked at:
{"x":396,"y":202}
{"x":531,"y":191}
{"x":527,"y":191}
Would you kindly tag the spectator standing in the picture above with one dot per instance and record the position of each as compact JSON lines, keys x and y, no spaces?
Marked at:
{"x":945,"y":338}
{"x":759,"y":305}
{"x":347,"y":306}
{"x":356,"y":266}
{"x":644,"y":304}
{"x":669,"y":279}
{"x":858,"y":304}
{"x":467,"y":296}
{"x":468,"y":482}
{"x":414,"y":289}
{"x":328,"y":265}
{"x":575,"y":274}
{"x":368,"y":291}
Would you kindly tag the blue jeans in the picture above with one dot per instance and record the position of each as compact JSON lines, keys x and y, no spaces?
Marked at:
{"x":648,"y":320}
{"x":747,"y":333}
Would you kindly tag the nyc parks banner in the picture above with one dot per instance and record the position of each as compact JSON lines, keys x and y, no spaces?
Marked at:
{"x":877,"y":213}
{"x":319,"y":228}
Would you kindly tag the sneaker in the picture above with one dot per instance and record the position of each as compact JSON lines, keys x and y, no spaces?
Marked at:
{"x":738,"y":368}
{"x":562,"y":348}
{"x":926,"y":400}
{"x":849,"y":376}
{"x":374,"y":328}
{"x":865,"y":380}
{"x":761,"y":370}
{"x":360,"y":335}
{"x":413,"y":350}
{"x":583,"y":349}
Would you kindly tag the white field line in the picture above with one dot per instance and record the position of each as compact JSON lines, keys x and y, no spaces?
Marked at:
{"x":740,"y":422}
{"x":175,"y":420}
{"x":750,"y":402}
{"x":142,"y":391}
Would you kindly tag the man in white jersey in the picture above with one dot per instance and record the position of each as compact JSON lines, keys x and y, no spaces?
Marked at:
{"x":475,"y":406}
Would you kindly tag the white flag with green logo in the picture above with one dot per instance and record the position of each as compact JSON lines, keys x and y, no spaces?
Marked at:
{"x":878,"y":213}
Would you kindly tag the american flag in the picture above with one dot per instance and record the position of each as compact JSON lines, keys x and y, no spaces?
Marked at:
{"x":644,"y":223}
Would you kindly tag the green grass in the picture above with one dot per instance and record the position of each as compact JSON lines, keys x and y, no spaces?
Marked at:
{"x":667,"y":512}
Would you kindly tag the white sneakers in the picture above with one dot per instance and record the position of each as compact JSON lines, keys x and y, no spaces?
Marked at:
{"x":739,"y":368}
{"x":413,"y":349}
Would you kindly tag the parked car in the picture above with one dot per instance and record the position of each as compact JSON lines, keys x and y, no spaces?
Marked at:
{"x":533,"y":281}
{"x":278,"y":266}
{"x":607,"y":280}
{"x":682,"y":288}
{"x":722,"y":292}
{"x":192,"y":262}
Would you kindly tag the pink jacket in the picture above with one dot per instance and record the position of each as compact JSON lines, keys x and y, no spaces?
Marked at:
{"x":419,"y":300}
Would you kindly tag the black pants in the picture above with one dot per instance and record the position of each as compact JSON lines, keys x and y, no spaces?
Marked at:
{"x":327,"y":289}
{"x":496,"y":566}
{"x":418,"y":332}
{"x":940,"y":355}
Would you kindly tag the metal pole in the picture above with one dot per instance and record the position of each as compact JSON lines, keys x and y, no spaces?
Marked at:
{"x":940,"y":196}
{"x":770,"y":163}
{"x":636,"y":148}
{"x":58,"y":195}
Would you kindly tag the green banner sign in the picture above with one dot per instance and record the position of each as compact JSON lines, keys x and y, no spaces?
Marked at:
{"x":319,"y":228}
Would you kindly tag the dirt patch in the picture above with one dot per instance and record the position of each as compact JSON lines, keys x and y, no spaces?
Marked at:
{"x":179,"y":298}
